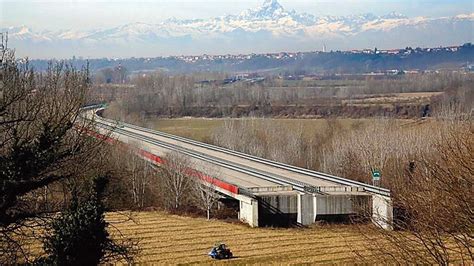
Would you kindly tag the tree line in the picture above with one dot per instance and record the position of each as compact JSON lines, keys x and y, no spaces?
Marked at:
{"x":183,"y":95}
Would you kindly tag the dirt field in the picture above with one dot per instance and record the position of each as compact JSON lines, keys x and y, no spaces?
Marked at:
{"x":170,"y":239}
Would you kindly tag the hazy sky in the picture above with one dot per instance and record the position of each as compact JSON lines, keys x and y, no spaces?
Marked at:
{"x":86,"y":14}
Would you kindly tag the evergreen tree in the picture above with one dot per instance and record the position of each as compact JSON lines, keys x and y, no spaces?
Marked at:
{"x":79,"y":236}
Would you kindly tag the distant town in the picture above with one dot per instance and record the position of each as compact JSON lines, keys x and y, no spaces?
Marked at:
{"x":290,"y":55}
{"x":297,"y":65}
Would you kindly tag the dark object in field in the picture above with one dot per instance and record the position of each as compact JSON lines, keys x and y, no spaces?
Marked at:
{"x":426,"y":111}
{"x":220,"y":251}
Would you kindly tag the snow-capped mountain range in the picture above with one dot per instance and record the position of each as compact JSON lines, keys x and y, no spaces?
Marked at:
{"x":267,"y":28}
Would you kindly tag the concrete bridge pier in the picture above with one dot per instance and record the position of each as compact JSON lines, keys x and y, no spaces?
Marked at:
{"x":309,"y":207}
{"x":248,"y":210}
{"x":312,"y":205}
{"x":306,"y":204}
{"x":382,"y":211}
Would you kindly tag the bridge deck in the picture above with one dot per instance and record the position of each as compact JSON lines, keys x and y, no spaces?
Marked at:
{"x":243,"y":172}
{"x":227,"y":175}
{"x":251,"y":164}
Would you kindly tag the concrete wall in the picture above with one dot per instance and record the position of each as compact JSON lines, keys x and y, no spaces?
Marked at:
{"x":284,"y":203}
{"x":248,"y":212}
{"x":277,"y":210}
{"x":333,"y":204}
{"x":382,"y":211}
{"x":306,"y":209}
{"x":309,"y":206}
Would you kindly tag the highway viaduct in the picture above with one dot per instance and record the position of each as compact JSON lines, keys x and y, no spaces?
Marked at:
{"x":267,"y":192}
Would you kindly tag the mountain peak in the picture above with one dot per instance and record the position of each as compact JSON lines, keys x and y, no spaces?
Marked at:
{"x":269,"y":21}
{"x":394,"y":15}
{"x":270,"y":9}
{"x":273,"y":4}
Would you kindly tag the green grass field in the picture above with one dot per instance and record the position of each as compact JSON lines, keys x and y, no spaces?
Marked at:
{"x":201,"y":128}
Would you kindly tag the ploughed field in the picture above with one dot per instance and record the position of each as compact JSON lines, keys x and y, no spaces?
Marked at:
{"x":172,"y":239}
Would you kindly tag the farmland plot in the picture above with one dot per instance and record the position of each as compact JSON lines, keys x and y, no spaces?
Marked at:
{"x":171,"y":239}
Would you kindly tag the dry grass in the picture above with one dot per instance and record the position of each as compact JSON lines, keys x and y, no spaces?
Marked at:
{"x":387,"y":100}
{"x":171,"y":239}
{"x":165,"y":239}
{"x":201,"y":128}
{"x":196,"y":128}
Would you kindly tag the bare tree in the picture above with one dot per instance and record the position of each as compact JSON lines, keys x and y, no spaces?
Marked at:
{"x":384,"y":145}
{"x":434,"y":202}
{"x":140,"y":179}
{"x":137,"y":173}
{"x":176,"y":179}
{"x":205,"y":190}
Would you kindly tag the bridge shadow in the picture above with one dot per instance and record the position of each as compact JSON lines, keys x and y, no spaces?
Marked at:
{"x":269,"y":215}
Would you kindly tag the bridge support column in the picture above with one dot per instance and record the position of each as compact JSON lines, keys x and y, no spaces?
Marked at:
{"x":305,"y":205}
{"x":382,"y":211}
{"x":315,"y":207}
{"x":248,"y":212}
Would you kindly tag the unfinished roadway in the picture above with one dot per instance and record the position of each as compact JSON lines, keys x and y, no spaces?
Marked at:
{"x":267,"y":191}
